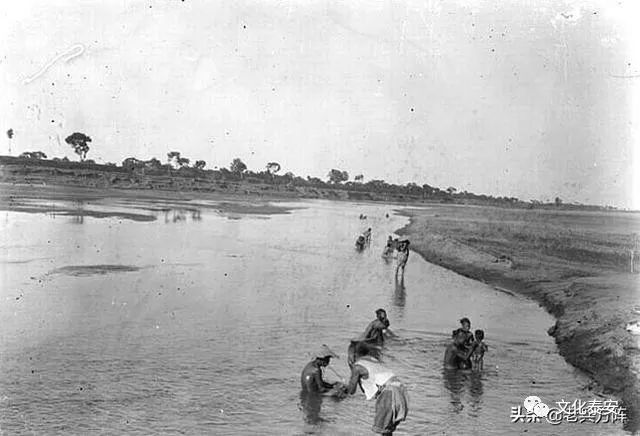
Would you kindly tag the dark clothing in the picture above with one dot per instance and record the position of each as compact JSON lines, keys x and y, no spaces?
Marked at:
{"x":392,"y":406}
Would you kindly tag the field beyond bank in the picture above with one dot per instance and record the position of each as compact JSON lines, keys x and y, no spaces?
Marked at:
{"x":576,"y":264}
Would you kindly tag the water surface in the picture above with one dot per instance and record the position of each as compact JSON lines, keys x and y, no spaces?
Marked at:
{"x":201,"y":324}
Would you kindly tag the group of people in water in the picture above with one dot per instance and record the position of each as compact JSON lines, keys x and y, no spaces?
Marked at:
{"x":401,"y":246}
{"x":376,"y":381}
{"x":367,"y":372}
{"x":465,"y":351}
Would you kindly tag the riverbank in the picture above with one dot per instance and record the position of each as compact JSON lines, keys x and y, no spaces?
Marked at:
{"x":574,"y":264}
{"x":145,"y":205}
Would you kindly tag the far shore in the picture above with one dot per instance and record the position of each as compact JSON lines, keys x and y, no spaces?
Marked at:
{"x":576,"y":267}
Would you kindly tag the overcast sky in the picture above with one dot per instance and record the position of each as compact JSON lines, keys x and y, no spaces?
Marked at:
{"x":533,"y":99}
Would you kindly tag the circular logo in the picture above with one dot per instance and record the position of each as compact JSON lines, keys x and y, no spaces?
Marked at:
{"x":541,"y":410}
{"x":530,"y":402}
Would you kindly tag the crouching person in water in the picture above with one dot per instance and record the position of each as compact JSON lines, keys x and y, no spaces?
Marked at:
{"x":311,"y":378}
{"x":381,"y":384}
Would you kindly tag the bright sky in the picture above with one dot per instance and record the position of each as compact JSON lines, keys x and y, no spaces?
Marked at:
{"x":533,"y":99}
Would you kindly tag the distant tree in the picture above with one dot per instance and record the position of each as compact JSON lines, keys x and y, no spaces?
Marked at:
{"x":238,"y":167}
{"x":558,"y":201}
{"x":10,"y":135}
{"x":183,"y":162}
{"x":200,"y":164}
{"x":427,"y":190}
{"x":359,"y":178}
{"x":153,"y":164}
{"x":314,"y":181}
{"x":131,"y":163}
{"x":288,"y":177}
{"x":273,"y":167}
{"x":34,"y":155}
{"x":172,"y":158}
{"x":337,"y":176}
{"x":78,"y":141}
{"x":451,"y":190}
{"x":377,"y":185}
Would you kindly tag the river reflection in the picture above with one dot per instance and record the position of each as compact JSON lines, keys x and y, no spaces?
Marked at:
{"x":179,"y":215}
{"x":463,"y":384}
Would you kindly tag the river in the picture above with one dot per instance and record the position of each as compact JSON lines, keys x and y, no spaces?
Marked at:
{"x":199,"y":322}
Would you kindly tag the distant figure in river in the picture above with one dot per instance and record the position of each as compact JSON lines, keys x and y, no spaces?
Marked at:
{"x":376,"y":330}
{"x":479,"y":348}
{"x":403,"y":256}
{"x":367,"y":235}
{"x":311,"y":378}
{"x":388,"y":249}
{"x":456,"y":355}
{"x":360,"y":243}
{"x":379,"y":383}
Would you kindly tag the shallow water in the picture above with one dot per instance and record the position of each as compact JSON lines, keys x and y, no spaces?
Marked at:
{"x":202,"y":324}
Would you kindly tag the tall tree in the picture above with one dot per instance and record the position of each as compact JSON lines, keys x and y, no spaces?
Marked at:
{"x":359,"y":178}
{"x":173,"y":157}
{"x":79,"y":142}
{"x":199,"y":164}
{"x":337,"y":176}
{"x":238,"y":167}
{"x":273,"y":167}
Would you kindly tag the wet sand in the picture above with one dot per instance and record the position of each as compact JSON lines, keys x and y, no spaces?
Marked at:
{"x":575,"y":265}
{"x":75,"y":201}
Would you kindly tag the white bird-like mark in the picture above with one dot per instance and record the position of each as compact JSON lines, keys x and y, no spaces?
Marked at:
{"x":72,"y":52}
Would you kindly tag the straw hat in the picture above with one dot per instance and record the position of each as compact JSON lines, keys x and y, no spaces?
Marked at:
{"x":325,"y":351}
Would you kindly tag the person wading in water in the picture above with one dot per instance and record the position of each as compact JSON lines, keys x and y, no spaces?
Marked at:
{"x":403,"y":256}
{"x":311,"y":378}
{"x":379,"y":383}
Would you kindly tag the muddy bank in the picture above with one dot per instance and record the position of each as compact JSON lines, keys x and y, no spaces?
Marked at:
{"x":580,"y":282}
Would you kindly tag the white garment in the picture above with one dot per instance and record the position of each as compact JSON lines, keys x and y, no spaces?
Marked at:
{"x":378,"y":376}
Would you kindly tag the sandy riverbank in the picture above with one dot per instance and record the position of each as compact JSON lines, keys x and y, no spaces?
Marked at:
{"x":78,"y":201}
{"x":575,"y":264}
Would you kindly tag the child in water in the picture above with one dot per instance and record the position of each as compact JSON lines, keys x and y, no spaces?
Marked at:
{"x":477,"y":357}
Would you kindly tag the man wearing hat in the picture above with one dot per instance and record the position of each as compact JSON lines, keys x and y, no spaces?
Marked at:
{"x":311,"y":378}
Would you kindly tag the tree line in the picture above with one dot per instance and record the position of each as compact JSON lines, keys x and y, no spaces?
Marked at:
{"x":177,"y":164}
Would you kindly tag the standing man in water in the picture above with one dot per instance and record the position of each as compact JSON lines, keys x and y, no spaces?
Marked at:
{"x":403,"y":256}
{"x":367,"y":236}
{"x":377,"y":328}
{"x":455,"y":355}
{"x":311,"y":378}
{"x":379,"y":383}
